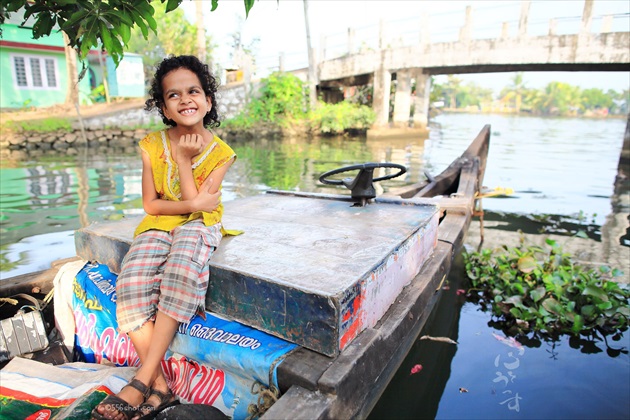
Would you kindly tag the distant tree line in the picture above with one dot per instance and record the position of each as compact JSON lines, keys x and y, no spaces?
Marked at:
{"x":557,"y":98}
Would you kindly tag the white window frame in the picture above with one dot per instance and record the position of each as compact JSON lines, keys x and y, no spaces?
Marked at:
{"x":29,"y":72}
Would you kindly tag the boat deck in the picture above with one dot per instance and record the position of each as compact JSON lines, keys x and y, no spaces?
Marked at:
{"x":311,"y":269}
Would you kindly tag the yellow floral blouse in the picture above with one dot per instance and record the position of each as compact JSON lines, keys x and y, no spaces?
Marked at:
{"x":166,"y":179}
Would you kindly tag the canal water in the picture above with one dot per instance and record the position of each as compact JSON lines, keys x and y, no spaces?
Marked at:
{"x":564,"y":173}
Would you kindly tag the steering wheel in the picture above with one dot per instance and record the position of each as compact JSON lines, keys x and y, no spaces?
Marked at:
{"x":361,"y":186}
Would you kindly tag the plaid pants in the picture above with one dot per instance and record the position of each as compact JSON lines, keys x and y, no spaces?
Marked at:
{"x":167,"y":272}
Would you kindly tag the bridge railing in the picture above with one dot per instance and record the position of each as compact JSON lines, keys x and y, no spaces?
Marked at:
{"x":496,"y":20}
{"x":490,"y":22}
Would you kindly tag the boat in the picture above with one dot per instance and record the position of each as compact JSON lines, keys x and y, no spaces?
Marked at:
{"x":342,"y":357}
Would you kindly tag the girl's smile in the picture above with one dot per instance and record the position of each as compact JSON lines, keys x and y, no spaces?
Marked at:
{"x":184,"y":99}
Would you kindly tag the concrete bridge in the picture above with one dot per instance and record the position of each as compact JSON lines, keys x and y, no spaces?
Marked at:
{"x":584,"y":50}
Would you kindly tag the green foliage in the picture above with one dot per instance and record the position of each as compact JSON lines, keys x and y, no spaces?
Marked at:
{"x":534,"y":289}
{"x":557,"y":98}
{"x":98,"y":94}
{"x":596,"y":99}
{"x":280,"y":101}
{"x":338,"y":118}
{"x":282,"y":95}
{"x":560,"y":98}
{"x":44,"y":125}
{"x":94,"y":23}
{"x":437,"y":92}
{"x":174,"y":35}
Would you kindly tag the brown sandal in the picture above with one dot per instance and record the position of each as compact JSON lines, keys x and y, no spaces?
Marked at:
{"x":167,"y":399}
{"x":121,"y":405}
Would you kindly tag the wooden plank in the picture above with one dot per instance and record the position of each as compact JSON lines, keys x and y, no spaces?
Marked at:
{"x":300,"y":403}
{"x":302,"y":367}
{"x":453,"y":228}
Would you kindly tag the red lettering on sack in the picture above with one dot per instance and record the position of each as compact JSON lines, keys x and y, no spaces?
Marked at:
{"x":195,"y":383}
{"x":112,"y":345}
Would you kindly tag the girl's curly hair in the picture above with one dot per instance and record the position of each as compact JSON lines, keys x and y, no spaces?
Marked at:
{"x":209,"y":84}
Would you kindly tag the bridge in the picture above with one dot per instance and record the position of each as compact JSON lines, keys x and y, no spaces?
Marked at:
{"x":417,"y":60}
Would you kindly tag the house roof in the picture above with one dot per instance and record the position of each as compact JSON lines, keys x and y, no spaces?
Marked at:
{"x":30,"y":46}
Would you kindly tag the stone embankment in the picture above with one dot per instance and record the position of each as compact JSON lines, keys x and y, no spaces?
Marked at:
{"x":117,"y":132}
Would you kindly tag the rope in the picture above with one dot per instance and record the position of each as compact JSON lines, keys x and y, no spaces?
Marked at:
{"x":48,"y":297}
{"x":494,"y":192}
{"x":266,"y":398}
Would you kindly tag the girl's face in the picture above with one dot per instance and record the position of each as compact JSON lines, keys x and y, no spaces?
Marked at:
{"x":184,"y":99}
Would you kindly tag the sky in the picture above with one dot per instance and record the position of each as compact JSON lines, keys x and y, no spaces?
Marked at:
{"x":280,"y":28}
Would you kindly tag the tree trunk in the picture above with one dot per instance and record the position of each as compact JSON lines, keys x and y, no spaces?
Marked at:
{"x":201,"y":32}
{"x":312,"y":74}
{"x":72,"y":91}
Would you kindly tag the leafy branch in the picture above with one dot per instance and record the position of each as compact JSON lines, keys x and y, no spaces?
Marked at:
{"x":104,"y":24}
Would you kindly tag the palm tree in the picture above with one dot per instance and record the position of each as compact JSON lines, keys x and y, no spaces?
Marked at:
{"x":515,"y":91}
{"x":561,"y":98}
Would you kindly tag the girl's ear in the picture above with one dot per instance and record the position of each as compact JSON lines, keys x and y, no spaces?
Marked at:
{"x":165,"y":112}
{"x":209,"y":102}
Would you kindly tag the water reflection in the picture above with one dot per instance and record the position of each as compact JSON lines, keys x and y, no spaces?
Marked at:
{"x":563,"y":172}
{"x":490,"y":375}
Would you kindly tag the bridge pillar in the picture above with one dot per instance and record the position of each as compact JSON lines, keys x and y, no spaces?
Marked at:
{"x":402,"y":99}
{"x":421,"y":100}
{"x":587,"y":18}
{"x":380,"y":100}
{"x":522,"y":22}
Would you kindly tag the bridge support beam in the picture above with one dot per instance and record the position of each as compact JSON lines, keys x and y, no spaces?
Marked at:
{"x":421,"y":100}
{"x":380,"y":100}
{"x":402,"y":99}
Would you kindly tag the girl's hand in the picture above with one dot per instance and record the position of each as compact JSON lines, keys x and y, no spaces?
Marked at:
{"x":189,"y":146}
{"x":205,"y":200}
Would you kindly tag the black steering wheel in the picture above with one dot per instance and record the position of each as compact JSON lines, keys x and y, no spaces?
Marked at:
{"x":361,"y":186}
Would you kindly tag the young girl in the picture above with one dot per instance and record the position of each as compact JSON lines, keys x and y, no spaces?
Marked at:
{"x":164,"y":276}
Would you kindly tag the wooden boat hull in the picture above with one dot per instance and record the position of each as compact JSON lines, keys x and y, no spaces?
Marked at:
{"x":349,"y":386}
{"x":317,"y":386}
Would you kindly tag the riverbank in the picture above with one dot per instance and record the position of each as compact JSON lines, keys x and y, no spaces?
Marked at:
{"x":114,"y":128}
{"x":500,"y":110}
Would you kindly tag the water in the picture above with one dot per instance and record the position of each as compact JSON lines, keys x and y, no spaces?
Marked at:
{"x":563,"y":172}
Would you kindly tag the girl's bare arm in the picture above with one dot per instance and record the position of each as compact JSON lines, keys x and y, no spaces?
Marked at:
{"x":189,"y":146}
{"x":207,"y":198}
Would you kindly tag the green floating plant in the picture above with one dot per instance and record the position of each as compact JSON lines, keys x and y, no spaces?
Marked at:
{"x":539,"y":289}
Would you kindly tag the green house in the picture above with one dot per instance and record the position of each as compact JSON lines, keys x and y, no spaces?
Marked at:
{"x":34,"y":71}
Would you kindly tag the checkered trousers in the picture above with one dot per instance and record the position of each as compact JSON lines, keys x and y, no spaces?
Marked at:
{"x":167,"y":272}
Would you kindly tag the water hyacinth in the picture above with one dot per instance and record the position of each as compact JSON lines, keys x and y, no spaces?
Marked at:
{"x":542,"y":289}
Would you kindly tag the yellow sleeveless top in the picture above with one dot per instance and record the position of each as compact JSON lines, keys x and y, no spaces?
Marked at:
{"x":166,"y":180}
